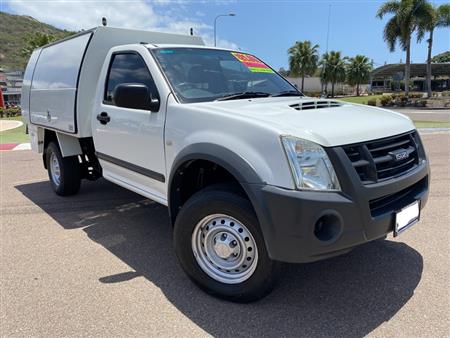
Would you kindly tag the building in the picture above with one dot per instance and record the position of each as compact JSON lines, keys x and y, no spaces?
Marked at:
{"x":390,"y":77}
{"x":11,"y":86}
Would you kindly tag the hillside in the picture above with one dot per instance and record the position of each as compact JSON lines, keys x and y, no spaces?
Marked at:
{"x":14,"y":29}
{"x":443,"y":57}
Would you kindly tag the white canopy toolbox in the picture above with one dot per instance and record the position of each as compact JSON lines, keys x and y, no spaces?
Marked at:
{"x":61,"y":78}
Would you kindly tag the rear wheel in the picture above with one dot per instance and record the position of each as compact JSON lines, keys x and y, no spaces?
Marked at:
{"x":63,"y":172}
{"x":220,"y":246}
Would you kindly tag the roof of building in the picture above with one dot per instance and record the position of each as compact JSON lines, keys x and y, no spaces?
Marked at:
{"x":417,"y":69}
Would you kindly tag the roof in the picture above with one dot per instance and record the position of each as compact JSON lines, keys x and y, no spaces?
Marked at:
{"x":167,"y":45}
{"x":417,"y":69}
{"x":137,"y":32}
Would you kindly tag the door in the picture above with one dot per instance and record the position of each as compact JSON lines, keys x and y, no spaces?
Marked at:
{"x":130,"y":142}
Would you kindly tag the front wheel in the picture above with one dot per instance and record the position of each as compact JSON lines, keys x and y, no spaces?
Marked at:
{"x":220,"y":246}
{"x":63,"y":172}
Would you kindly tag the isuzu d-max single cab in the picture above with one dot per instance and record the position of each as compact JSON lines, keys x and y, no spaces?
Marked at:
{"x":253,"y":172}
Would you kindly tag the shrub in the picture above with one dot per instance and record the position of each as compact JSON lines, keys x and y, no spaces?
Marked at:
{"x":313,"y":94}
{"x":415,"y":95}
{"x":386,"y":100}
{"x":420,"y":103}
{"x":401,"y":100}
{"x":372,"y":102}
{"x":11,"y":112}
{"x":446,"y":93}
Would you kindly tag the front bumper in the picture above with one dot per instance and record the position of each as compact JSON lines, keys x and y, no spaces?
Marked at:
{"x":364,"y":212}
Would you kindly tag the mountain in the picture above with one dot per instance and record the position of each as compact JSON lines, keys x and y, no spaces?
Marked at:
{"x":14,"y":30}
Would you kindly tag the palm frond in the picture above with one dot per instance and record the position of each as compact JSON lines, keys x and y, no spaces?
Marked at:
{"x":443,"y":15}
{"x":389,"y":7}
{"x":392,"y":33}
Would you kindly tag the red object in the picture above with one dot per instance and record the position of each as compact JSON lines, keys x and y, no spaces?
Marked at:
{"x":8,"y":146}
{"x":250,"y":61}
{"x":2,"y":101}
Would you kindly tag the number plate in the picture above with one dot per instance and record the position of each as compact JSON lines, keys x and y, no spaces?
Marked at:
{"x":406,"y":217}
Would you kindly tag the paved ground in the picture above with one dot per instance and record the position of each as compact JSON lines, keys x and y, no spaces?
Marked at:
{"x":7,"y":124}
{"x":441,"y":115}
{"x":101,"y":264}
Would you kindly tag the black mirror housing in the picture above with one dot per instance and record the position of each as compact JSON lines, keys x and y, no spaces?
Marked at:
{"x":135,"y":96}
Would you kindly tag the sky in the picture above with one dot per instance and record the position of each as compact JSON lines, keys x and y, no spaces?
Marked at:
{"x":266,"y":28}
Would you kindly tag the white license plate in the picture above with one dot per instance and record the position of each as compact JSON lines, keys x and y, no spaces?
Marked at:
{"x":406,"y":217}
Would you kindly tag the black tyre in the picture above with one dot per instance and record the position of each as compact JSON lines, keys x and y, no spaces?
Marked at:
{"x":63,"y":172}
{"x":220,"y":246}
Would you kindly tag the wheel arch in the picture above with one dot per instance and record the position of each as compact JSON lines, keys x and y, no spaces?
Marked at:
{"x":242,"y":171}
{"x":68,"y":145}
{"x":49,"y":136}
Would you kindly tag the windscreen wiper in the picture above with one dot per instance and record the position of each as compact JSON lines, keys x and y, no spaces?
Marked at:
{"x":287,"y":93}
{"x":243,"y":95}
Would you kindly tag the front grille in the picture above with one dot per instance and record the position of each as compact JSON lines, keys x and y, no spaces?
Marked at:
{"x":380,"y":160}
{"x":398,"y":200}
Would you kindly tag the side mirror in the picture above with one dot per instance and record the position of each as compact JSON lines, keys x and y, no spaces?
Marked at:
{"x":135,"y":96}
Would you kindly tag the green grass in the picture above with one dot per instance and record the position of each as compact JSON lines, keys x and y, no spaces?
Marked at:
{"x":359,"y":99}
{"x":431,"y":124}
{"x":16,"y":135}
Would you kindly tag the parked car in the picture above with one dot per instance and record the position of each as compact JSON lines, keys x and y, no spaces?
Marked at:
{"x":253,"y":172}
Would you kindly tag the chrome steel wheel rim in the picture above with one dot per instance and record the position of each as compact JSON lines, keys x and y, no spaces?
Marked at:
{"x":54,"y":169}
{"x":224,"y":249}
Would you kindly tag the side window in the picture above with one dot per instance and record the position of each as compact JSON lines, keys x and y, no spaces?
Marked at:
{"x":127,"y":68}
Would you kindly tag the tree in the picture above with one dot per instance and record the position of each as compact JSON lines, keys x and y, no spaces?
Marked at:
{"x":442,"y":57}
{"x":333,"y":69}
{"x":407,"y":16}
{"x":440,"y":18}
{"x":358,"y":71}
{"x":36,"y":40}
{"x":283,"y":72}
{"x":303,"y":59}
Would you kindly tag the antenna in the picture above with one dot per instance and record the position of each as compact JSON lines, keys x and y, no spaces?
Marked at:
{"x":328,"y":28}
{"x":104,"y":23}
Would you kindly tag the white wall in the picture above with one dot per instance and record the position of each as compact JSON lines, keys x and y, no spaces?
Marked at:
{"x":313,"y":84}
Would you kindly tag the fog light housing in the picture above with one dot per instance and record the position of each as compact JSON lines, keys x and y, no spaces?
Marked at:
{"x":328,"y":227}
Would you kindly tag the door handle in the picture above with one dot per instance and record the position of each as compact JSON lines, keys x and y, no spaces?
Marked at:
{"x":103,"y":118}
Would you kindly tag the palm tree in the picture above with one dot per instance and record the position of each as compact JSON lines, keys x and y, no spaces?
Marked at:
{"x":407,"y":15}
{"x":303,"y":59}
{"x":440,"y":18}
{"x":333,"y":69}
{"x":358,"y":71}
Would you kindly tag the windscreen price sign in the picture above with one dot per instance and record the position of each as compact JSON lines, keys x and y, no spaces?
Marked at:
{"x":252,"y":63}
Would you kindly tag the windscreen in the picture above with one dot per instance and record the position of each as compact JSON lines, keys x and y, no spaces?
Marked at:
{"x":202,"y":75}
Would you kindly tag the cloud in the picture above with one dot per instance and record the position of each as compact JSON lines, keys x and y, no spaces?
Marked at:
{"x":161,"y":15}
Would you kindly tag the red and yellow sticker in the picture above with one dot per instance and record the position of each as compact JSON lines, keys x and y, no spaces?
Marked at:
{"x":252,"y":63}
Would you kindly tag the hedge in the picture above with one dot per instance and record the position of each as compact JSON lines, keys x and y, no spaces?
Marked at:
{"x":10,"y":112}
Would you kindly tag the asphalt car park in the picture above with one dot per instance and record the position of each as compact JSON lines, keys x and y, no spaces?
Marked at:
{"x":101,"y":263}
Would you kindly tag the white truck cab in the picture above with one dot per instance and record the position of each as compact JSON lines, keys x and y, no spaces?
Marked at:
{"x":252,"y":171}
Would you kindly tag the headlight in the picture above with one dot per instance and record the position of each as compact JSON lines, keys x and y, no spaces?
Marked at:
{"x":310,"y":165}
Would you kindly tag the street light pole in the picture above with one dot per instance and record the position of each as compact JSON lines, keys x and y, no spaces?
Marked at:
{"x":215,"y":25}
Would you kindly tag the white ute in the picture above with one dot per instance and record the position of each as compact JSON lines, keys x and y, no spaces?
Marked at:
{"x":253,"y":172}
